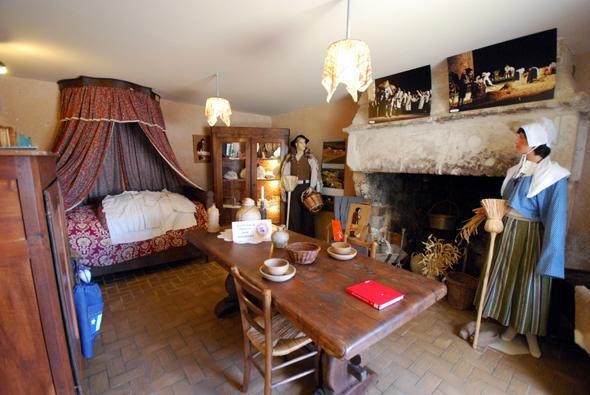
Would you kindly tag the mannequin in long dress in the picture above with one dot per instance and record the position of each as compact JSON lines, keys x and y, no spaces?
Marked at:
{"x":531,"y":249}
{"x":300,"y":162}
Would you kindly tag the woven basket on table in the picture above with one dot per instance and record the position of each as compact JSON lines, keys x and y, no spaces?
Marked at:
{"x":303,"y":252}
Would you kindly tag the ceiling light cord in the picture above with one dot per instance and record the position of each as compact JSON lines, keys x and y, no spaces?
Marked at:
{"x":217,"y":84}
{"x":347,"y":19}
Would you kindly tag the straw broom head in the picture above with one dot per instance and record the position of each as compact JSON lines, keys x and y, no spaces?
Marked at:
{"x":290,"y":183}
{"x":495,"y":210}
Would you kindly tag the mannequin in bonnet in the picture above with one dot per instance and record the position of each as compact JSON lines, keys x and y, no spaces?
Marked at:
{"x":531,"y":250}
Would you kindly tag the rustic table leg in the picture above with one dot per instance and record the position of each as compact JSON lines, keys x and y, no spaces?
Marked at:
{"x":341,"y":376}
{"x":228,"y":305}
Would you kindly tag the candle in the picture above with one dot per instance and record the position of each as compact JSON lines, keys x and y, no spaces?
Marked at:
{"x":262,"y":193}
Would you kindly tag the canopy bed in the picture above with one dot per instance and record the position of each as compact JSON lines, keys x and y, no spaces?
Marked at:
{"x":111,"y":140}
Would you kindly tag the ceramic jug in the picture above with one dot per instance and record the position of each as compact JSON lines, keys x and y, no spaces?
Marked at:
{"x":248,"y":211}
{"x":280,"y":237}
{"x":213,"y":219}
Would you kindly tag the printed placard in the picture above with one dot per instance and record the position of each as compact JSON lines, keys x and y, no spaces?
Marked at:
{"x":251,"y":232}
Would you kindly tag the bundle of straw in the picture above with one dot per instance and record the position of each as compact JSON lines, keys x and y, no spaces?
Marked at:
{"x":495,"y":210}
{"x":470,"y":227}
{"x":438,"y":256}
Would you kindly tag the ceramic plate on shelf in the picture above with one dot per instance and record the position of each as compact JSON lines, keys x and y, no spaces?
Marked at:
{"x":342,"y":257}
{"x":278,"y":279}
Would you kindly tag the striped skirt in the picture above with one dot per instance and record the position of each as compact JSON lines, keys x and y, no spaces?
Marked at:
{"x":516,"y":296}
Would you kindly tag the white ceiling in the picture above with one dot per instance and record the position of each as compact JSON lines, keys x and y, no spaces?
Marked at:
{"x":269,"y":53}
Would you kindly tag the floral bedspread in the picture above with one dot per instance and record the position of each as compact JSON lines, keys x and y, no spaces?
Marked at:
{"x":92,"y":242}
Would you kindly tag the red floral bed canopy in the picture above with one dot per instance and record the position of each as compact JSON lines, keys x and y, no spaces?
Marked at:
{"x":95,"y":119}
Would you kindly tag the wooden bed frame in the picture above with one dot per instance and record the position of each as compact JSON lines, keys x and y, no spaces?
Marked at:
{"x":170,"y":255}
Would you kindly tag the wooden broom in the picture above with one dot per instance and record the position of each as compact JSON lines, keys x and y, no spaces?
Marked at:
{"x":289,"y":184}
{"x":495,"y":210}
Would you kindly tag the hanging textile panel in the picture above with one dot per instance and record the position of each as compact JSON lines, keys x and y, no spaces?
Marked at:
{"x":89,"y":111}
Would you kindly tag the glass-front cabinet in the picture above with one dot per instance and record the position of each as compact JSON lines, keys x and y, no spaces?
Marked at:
{"x":246,"y":163}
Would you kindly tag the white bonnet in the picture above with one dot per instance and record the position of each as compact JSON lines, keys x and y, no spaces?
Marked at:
{"x":541,"y":132}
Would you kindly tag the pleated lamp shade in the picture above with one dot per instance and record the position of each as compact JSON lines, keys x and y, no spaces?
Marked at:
{"x":217,"y":107}
{"x":349,"y":62}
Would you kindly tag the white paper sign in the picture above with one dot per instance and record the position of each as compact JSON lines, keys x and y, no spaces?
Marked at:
{"x":251,"y":232}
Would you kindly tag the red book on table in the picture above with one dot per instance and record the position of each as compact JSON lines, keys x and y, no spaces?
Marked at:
{"x":376,"y":294}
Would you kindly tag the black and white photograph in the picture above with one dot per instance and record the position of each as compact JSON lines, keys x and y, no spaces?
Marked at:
{"x":400,"y":96}
{"x":504,"y":73}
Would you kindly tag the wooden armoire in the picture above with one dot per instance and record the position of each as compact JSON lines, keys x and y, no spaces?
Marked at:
{"x":39,"y":342}
{"x":246,"y":162}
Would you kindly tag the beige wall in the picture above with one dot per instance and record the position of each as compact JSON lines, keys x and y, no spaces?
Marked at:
{"x":32,"y":108}
{"x":578,"y":251}
{"x":582,"y":76}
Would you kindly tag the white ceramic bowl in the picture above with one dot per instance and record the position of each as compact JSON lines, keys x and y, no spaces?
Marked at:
{"x":276,"y":266}
{"x":341,"y":247}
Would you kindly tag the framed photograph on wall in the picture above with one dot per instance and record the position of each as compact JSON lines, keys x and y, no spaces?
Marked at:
{"x":333,"y":160}
{"x":357,"y":220}
{"x":7,"y":137}
{"x":515,"y":71}
{"x":202,"y":148}
{"x":400,"y":96}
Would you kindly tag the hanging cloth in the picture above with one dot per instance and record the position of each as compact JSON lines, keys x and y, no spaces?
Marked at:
{"x":90,"y":109}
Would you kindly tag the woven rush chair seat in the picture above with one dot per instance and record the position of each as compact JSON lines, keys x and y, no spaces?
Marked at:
{"x":287,"y":338}
{"x":268,"y":334}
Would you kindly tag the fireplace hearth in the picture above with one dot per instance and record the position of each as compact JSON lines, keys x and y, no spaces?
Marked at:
{"x":417,"y":202}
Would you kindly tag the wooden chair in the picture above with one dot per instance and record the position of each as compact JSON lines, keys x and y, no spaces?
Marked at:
{"x":267,"y":334}
{"x":364,"y":247}
{"x":368,"y":248}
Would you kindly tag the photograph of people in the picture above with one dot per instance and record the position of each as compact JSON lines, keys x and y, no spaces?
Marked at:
{"x":404,"y":95}
{"x":503,"y":73}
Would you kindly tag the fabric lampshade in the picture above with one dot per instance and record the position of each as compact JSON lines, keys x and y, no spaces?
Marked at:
{"x":349,"y":62}
{"x":217,"y":107}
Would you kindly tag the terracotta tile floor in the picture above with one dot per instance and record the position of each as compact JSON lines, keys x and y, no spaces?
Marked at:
{"x":160,"y":336}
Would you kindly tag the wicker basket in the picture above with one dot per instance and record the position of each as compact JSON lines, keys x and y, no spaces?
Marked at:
{"x":302,"y":252}
{"x":461,"y":289}
{"x":312,"y":200}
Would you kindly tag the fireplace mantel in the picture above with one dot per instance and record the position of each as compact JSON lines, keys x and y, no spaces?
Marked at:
{"x":473,"y":143}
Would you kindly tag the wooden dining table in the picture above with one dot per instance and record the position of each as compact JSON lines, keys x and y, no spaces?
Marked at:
{"x":315,"y":301}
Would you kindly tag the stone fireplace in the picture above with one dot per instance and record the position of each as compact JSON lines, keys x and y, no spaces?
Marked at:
{"x":408,"y":166}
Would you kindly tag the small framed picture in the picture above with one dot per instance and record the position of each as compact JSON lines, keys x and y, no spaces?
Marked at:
{"x":202,"y":148}
{"x":7,"y":137}
{"x":357,"y":221}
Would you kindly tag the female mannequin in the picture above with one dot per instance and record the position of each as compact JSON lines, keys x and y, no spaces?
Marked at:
{"x":300,"y":162}
{"x":529,"y":254}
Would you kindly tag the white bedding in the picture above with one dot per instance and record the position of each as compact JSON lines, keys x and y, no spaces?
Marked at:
{"x":135,"y":216}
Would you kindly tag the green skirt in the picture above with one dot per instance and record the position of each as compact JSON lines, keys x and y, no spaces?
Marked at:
{"x":516,"y":296}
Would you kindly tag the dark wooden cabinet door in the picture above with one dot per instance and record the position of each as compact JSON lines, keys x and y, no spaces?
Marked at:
{"x":24,"y":361}
{"x":36,"y":307}
{"x":57,"y":228}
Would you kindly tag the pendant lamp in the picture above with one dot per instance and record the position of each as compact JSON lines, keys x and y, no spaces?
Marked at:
{"x":217,"y":107}
{"x":3,"y":68}
{"x":347,"y":61}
